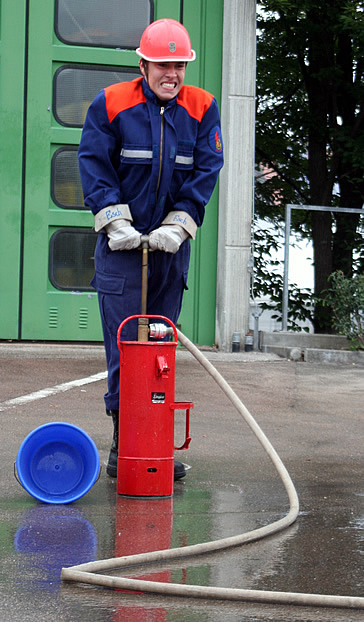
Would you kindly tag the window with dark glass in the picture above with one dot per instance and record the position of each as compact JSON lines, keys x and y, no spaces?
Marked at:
{"x":66,"y":189}
{"x":76,"y":86}
{"x":102,"y":23}
{"x":71,"y":259}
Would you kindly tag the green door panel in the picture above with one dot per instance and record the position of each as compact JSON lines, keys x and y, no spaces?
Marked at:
{"x":69,"y":62}
{"x":204,"y":22}
{"x":12,"y":54}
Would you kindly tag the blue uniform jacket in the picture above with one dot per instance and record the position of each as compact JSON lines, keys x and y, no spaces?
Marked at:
{"x":155,"y":157}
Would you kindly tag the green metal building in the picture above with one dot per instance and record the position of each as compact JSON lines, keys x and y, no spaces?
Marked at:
{"x":55,"y":55}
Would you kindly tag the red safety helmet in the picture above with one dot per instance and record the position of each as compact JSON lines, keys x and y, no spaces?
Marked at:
{"x":166,"y":40}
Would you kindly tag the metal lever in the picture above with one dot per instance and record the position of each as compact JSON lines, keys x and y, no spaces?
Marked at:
{"x":143,"y":322}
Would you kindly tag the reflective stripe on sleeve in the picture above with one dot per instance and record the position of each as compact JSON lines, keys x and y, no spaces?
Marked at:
{"x":184,"y":160}
{"x":136,"y":153}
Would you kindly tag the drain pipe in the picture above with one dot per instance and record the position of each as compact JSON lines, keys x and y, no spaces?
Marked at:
{"x":88,"y":572}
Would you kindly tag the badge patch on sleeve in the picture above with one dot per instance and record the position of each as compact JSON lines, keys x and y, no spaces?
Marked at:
{"x":215,"y":140}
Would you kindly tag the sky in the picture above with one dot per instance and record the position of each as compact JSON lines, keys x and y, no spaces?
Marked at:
{"x":300,"y":264}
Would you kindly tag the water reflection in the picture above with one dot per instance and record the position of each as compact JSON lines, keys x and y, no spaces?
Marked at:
{"x":50,"y":537}
{"x":142,"y":525}
{"x":314,"y":555}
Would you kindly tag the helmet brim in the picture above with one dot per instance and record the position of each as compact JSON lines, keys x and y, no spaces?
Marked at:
{"x":164,"y":59}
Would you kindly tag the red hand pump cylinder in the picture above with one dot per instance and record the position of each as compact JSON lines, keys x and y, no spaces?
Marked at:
{"x":146,"y":415}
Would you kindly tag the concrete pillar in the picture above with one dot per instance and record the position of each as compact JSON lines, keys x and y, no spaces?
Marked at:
{"x":236,"y":178}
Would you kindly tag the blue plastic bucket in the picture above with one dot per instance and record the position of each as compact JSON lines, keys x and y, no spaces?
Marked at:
{"x":57,"y":463}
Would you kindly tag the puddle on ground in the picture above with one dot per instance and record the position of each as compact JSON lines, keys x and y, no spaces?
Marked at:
{"x":321,"y":553}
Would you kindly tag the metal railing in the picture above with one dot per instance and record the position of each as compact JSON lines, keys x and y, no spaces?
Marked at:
{"x":289,"y":208}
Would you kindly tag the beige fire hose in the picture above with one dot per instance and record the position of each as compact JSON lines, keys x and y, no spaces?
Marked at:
{"x":88,"y":573}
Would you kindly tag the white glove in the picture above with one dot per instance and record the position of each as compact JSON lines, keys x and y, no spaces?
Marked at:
{"x":167,"y":238}
{"x":122,"y":236}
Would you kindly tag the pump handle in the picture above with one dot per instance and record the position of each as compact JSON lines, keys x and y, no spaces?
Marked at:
{"x":142,"y":325}
{"x":144,"y":241}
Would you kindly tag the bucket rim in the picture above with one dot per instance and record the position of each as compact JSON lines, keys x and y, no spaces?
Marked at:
{"x":30,"y":485}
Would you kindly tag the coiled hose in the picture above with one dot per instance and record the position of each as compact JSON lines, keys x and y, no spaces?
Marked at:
{"x":88,"y":572}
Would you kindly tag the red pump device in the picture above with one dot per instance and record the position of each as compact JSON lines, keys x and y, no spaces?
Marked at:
{"x":146,"y":413}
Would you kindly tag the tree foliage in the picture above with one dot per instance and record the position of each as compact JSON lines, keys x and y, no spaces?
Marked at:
{"x":310,"y":126}
{"x":346,"y":299}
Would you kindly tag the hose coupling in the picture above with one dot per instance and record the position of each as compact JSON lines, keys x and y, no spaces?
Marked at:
{"x":159,"y":331}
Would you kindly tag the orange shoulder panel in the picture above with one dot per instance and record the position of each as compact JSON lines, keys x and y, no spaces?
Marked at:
{"x":195,"y":100}
{"x":124,"y":95}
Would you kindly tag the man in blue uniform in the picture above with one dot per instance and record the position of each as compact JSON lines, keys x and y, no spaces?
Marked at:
{"x":149,"y":157}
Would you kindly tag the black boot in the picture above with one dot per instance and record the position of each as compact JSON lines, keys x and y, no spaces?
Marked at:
{"x":112,"y":465}
{"x":179,"y":470}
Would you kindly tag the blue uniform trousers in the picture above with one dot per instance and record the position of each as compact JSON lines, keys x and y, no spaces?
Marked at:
{"x":118,"y":283}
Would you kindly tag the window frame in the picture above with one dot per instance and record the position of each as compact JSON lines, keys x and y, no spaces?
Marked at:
{"x":95,"y":45}
{"x":86,"y":67}
{"x":51,"y":262}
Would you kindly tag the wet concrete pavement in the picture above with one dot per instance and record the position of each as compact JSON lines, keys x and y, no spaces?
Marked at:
{"x":311,"y":413}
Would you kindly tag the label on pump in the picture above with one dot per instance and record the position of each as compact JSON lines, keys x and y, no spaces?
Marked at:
{"x":158,"y":398}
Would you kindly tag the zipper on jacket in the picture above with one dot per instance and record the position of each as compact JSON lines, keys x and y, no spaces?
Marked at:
{"x":160,"y":148}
